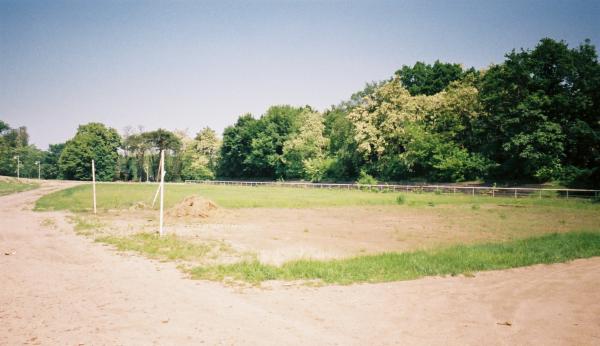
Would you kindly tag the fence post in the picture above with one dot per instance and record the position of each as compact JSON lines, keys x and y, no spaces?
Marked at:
{"x":515,"y":192}
{"x":473,"y":192}
{"x":540,"y":194}
{"x":567,"y":194}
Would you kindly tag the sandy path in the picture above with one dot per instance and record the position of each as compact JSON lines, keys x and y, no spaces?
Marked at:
{"x":59,"y":288}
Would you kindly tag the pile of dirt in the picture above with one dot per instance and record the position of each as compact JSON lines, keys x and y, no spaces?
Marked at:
{"x":194,"y":206}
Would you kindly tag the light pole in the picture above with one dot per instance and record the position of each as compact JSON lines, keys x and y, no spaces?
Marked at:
{"x":18,"y":165}
{"x":39,"y":170}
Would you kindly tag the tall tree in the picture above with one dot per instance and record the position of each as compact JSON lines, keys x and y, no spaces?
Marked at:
{"x":92,"y":141}
{"x":254,"y":148}
{"x":304,"y":151}
{"x":277,"y":125}
{"x":200,"y":155}
{"x":543,"y":113}
{"x":15,"y":142}
{"x":236,"y":147}
{"x":165,"y":140}
{"x":402,"y":136}
{"x":50,"y":169}
{"x":425,"y":79}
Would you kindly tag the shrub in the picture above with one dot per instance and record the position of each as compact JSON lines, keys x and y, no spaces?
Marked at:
{"x":366,"y":179}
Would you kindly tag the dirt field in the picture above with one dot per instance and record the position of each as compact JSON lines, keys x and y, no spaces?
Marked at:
{"x":277,"y":235}
{"x":59,"y":288}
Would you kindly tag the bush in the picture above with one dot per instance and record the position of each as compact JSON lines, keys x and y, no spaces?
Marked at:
{"x":400,"y":199}
{"x":366,"y":179}
{"x":316,"y":169}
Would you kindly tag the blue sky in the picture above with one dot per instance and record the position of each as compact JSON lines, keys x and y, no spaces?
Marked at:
{"x":191,"y":64}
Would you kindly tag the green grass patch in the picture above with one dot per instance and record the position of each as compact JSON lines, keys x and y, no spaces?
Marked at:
{"x":552,"y":248}
{"x":123,"y":196}
{"x":13,"y":186}
{"x":85,"y":225}
{"x":168,"y":247}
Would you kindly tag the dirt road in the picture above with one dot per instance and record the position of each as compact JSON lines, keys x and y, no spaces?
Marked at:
{"x":57,"y":288}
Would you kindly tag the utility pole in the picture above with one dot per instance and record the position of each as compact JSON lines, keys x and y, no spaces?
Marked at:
{"x":18,"y":166}
{"x":39,"y":170}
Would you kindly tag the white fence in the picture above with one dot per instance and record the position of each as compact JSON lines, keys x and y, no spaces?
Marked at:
{"x":515,"y":192}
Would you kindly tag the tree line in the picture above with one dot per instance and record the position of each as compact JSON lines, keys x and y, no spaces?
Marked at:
{"x":533,"y":118}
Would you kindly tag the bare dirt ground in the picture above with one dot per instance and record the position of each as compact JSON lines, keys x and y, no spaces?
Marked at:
{"x":60,"y":288}
{"x":277,"y":235}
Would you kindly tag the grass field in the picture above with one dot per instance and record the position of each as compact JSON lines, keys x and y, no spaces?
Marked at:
{"x":123,"y":196}
{"x":11,"y":186}
{"x":456,"y":234}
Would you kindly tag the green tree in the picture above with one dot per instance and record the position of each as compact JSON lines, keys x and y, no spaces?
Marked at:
{"x":543,"y":113}
{"x":304,"y":151}
{"x":200,"y":155}
{"x":277,"y":125}
{"x":137,"y":159}
{"x":208,"y":144}
{"x":168,"y":141}
{"x":15,"y":142}
{"x":50,"y":169}
{"x":402,"y":136}
{"x":236,"y":147}
{"x":343,"y":161}
{"x":92,"y":141}
{"x":425,"y":79}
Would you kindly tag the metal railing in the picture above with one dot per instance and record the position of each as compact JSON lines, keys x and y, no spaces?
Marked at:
{"x":515,"y":192}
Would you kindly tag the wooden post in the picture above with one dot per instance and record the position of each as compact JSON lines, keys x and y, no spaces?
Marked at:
{"x":160,"y":164}
{"x":162,"y":190}
{"x":18,"y":167}
{"x":94,"y":183}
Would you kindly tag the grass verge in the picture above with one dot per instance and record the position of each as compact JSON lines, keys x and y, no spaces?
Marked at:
{"x":13,"y":186}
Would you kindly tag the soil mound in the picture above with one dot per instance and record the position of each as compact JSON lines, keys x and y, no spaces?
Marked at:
{"x":194,"y":206}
